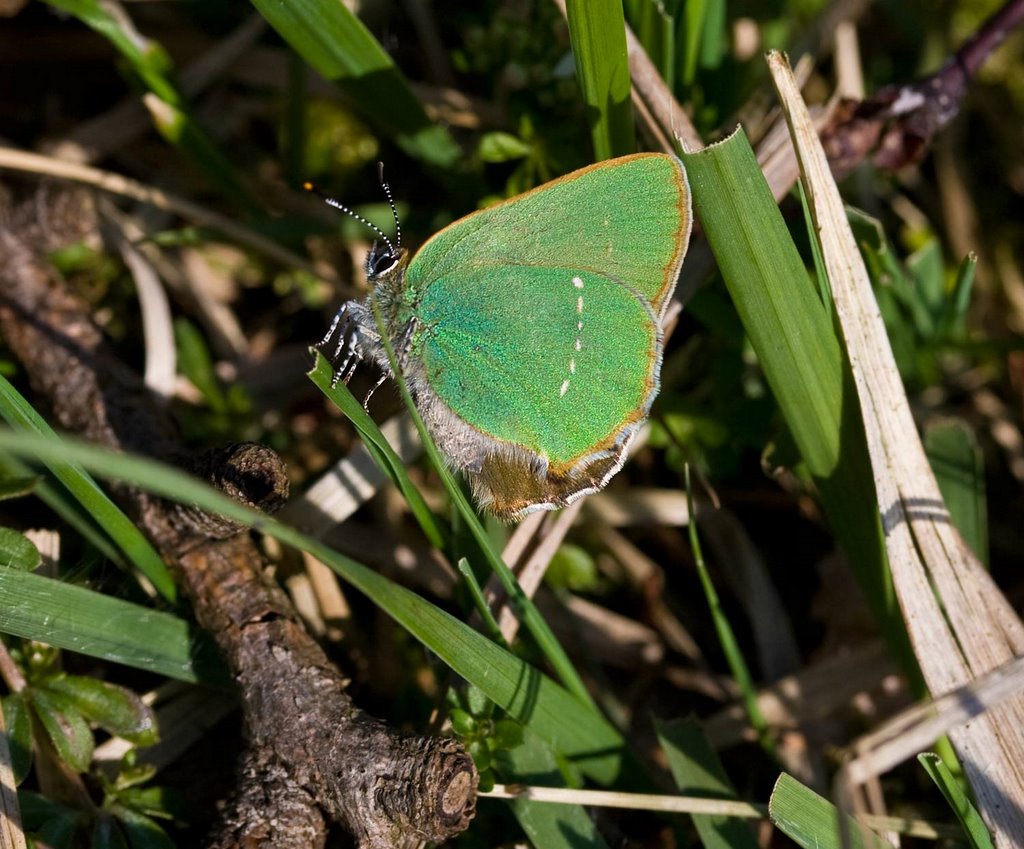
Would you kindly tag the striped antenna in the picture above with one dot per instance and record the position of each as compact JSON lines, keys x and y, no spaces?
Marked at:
{"x":391,"y":203}
{"x":309,"y":187}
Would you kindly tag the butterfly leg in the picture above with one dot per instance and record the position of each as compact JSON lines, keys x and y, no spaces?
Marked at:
{"x":401,"y":352}
{"x":345,"y":355}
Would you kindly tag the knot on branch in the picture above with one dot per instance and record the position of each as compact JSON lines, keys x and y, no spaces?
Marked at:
{"x":247,"y":472}
{"x":431,"y":794}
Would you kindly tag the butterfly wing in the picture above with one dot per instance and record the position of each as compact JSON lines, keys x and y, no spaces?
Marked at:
{"x":558,"y":361}
{"x":539,"y":324}
{"x":629,"y":218}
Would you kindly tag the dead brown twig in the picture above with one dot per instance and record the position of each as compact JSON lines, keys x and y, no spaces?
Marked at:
{"x":895,"y":126}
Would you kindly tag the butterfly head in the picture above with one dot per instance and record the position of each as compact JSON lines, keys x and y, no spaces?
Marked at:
{"x":383,"y":261}
{"x":386,"y":258}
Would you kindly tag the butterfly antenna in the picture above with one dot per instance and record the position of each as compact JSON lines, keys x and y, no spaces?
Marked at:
{"x":309,"y":187}
{"x":391,"y":203}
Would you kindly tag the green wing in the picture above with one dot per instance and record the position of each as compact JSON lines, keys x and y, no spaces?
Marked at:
{"x":627,"y":218}
{"x":559,"y":360}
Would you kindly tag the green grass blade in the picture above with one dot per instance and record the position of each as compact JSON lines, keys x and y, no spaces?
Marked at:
{"x":335,"y":42}
{"x":17,"y":551}
{"x":726,"y":636}
{"x":20,"y":415}
{"x":797,"y":348}
{"x":390,"y":463}
{"x":548,"y":826}
{"x":956,"y":458}
{"x":968,"y":815}
{"x":955,"y":311}
{"x":574,"y":729}
{"x":70,"y":511}
{"x":597,"y":31}
{"x":152,"y":65}
{"x":88,"y":622}
{"x":692,"y":25}
{"x":812,"y":822}
{"x":697,"y":771}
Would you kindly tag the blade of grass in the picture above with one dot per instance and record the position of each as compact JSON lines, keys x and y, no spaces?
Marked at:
{"x":952,"y":320}
{"x":812,"y":822}
{"x":968,"y":815}
{"x":20,"y":415}
{"x":796,"y":346}
{"x":385,"y":456}
{"x":692,"y":28}
{"x":697,"y":771}
{"x":597,"y":31}
{"x":726,"y":636}
{"x":168,"y":107}
{"x":955,"y":457}
{"x":93,"y":624}
{"x":335,"y":42}
{"x":575,"y":730}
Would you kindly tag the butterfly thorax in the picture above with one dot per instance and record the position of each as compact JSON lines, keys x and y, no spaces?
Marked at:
{"x":385,"y":271}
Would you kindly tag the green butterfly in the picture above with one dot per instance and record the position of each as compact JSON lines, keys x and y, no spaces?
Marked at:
{"x":529,"y":333}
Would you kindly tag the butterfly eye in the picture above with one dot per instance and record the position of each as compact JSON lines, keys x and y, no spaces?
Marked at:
{"x":380,"y":261}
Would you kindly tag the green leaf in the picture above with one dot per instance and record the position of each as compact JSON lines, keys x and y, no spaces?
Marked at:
{"x":698,"y":772}
{"x":115,"y":709}
{"x":812,"y":822}
{"x":572,"y":568}
{"x":335,"y":42}
{"x":499,"y":146}
{"x":927,"y":268}
{"x":597,"y":31}
{"x":142,"y":832}
{"x":60,"y":831}
{"x":17,"y":551}
{"x":52,"y":825}
{"x":508,"y":734}
{"x":107,"y":834}
{"x":14,"y":486}
{"x":968,"y":815}
{"x":91,"y":623}
{"x":67,"y":729}
{"x":195,"y":363}
{"x":20,"y":415}
{"x":462,"y":722}
{"x":959,"y":467}
{"x":18,"y":724}
{"x":797,"y":348}
{"x":151,"y":801}
{"x":548,"y":826}
{"x":954,"y":314}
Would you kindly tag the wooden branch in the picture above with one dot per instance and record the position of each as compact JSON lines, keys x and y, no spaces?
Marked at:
{"x":895,"y":126}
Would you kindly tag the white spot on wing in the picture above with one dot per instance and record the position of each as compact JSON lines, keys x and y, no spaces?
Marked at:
{"x":578,"y":284}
